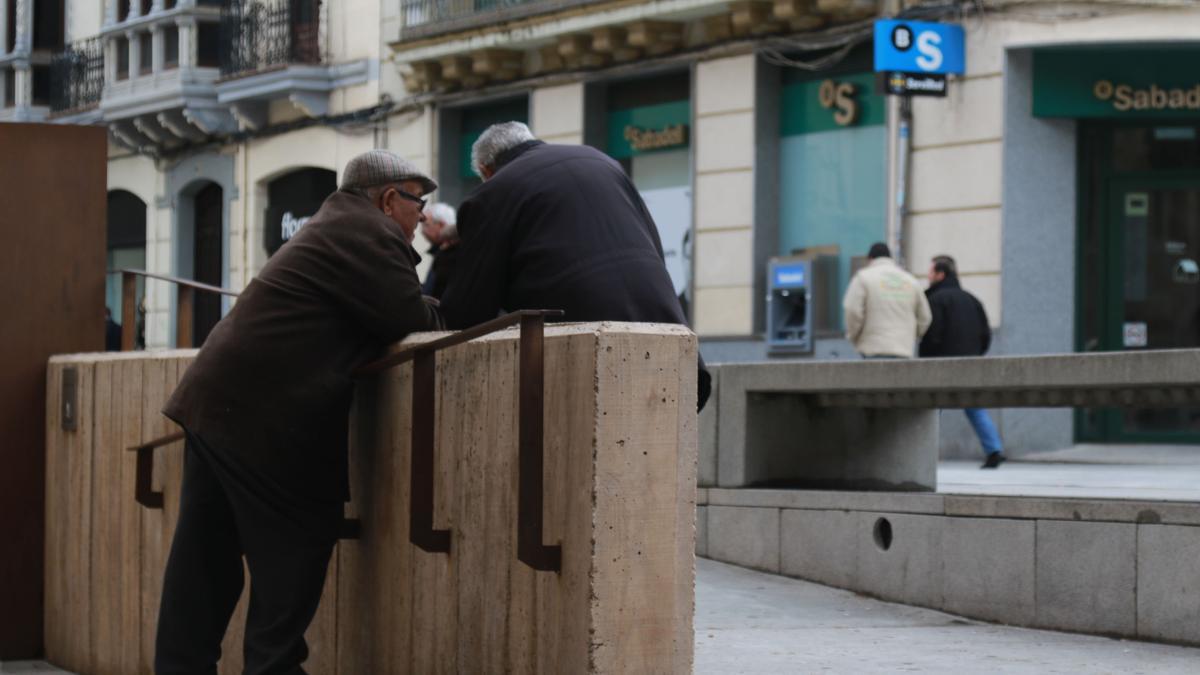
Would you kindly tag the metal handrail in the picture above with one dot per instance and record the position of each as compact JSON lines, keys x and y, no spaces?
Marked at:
{"x":184,"y":299}
{"x":530,"y":433}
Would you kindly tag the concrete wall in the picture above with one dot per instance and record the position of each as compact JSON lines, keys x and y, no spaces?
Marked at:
{"x":1118,"y":568}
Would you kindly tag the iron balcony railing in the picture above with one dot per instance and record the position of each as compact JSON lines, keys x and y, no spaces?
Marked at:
{"x":77,"y":76}
{"x":259,"y":35}
{"x":426,"y":18}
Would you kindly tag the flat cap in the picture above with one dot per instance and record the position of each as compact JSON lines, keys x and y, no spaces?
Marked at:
{"x":381,"y":167}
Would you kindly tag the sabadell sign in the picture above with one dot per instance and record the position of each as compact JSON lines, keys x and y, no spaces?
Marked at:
{"x":1116,"y":82}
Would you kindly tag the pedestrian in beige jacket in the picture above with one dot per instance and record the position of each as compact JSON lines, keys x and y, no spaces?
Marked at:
{"x":885,"y":308}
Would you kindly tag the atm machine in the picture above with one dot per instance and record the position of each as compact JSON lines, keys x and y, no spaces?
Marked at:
{"x":789,"y":306}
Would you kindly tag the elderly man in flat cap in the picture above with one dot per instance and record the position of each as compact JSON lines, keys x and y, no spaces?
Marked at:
{"x":265,"y":407}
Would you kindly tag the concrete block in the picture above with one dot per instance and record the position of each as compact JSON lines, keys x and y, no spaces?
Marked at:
{"x":1087,"y":576}
{"x":744,"y":536}
{"x":706,"y":465}
{"x":1061,"y":508}
{"x":790,"y":440}
{"x":725,"y":258}
{"x":725,"y":142}
{"x":724,"y":311}
{"x":1168,"y":582}
{"x":701,"y":496}
{"x":725,"y":200}
{"x":820,"y":546}
{"x":829,"y":500}
{"x":956,"y":189}
{"x":725,"y":84}
{"x":899,"y":557}
{"x":702,"y":531}
{"x":988,"y":569}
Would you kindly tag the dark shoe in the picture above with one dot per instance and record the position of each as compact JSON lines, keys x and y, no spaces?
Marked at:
{"x":993,"y":460}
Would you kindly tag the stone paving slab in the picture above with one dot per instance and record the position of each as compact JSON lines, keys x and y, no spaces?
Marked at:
{"x":750,"y":622}
{"x":1153,"y":482}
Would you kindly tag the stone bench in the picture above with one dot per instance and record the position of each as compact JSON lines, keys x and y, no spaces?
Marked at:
{"x":873,"y":424}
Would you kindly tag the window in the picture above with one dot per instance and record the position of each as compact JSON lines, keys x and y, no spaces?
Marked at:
{"x":145,"y":53}
{"x":48,"y":26}
{"x":122,"y":59}
{"x":10,"y":87}
{"x":122,"y":10}
{"x":145,"y":5}
{"x":171,"y":47}
{"x":41,"y":85}
{"x":11,"y":39}
{"x":208,"y":45}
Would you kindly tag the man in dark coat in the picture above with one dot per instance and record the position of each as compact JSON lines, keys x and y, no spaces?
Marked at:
{"x":557,"y":227}
{"x":960,"y":328}
{"x":441,"y":229}
{"x":265,"y":408}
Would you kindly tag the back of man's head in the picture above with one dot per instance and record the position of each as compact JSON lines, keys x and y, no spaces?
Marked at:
{"x":945,"y":265}
{"x":495,"y":141}
{"x":879,"y":250}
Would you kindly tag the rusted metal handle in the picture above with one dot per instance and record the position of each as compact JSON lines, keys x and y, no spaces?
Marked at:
{"x":530,"y":526}
{"x":421,"y":471}
{"x":144,"y":489}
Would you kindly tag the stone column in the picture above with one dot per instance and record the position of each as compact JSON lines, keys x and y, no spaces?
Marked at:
{"x":723,"y":145}
{"x":4,"y":46}
{"x":187,"y":42}
{"x":24,"y":27}
{"x":135,"y":53}
{"x":23,"y":91}
{"x":158,"y":41}
{"x":110,"y":12}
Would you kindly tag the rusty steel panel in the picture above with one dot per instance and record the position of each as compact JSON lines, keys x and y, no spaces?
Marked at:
{"x":53,"y":186}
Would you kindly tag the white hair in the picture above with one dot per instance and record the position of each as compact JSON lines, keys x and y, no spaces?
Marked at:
{"x":446,"y":215}
{"x":494,"y":141}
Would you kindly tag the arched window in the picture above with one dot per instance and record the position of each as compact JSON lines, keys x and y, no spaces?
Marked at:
{"x":126,"y":249}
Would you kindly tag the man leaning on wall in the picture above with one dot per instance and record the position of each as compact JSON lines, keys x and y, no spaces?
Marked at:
{"x":885,"y":308}
{"x":265,"y":407}
{"x":557,"y":227}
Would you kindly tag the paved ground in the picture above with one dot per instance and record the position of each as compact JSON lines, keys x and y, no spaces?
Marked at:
{"x":1110,"y":472}
{"x":749,"y":622}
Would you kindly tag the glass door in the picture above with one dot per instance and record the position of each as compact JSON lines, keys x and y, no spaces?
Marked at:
{"x":1153,"y":291}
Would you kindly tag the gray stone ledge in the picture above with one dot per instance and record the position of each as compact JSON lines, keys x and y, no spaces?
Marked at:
{"x":896,"y":502}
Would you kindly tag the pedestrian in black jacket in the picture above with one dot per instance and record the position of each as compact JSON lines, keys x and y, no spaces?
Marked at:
{"x":960,"y":328}
{"x":557,"y":227}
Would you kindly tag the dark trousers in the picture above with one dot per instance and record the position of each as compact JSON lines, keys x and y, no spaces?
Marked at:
{"x":223,"y":516}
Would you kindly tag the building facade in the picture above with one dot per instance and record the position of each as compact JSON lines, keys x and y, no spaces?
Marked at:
{"x":1060,"y":170}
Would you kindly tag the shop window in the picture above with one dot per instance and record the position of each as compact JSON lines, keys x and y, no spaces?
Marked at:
{"x":171,"y":47}
{"x":647,"y":129}
{"x":208,"y":45}
{"x":833,"y":165}
{"x":291,"y":200}
{"x":126,"y":249}
{"x":41,"y":85}
{"x":122,"y":59}
{"x":145,"y":53}
{"x":461,"y":127}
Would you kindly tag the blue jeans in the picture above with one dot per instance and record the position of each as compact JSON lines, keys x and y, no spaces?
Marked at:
{"x":984,"y":429}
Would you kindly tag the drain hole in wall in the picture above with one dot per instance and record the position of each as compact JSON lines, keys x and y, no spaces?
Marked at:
{"x":883,"y":534}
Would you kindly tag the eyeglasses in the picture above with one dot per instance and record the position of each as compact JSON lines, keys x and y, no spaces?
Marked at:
{"x":411,"y":197}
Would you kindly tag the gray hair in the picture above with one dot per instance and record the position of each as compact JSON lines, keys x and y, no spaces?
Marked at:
{"x":446,"y":215}
{"x":494,"y":141}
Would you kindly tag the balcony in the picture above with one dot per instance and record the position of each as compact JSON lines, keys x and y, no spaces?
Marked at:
{"x":429,"y":18}
{"x":77,"y":81}
{"x":276,"y":50}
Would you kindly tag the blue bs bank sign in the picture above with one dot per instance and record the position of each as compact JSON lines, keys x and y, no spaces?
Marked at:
{"x":916,"y":56}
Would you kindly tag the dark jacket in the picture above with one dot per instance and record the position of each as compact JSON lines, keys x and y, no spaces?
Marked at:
{"x":960,"y":325}
{"x":441,"y":270}
{"x":560,"y":227}
{"x":272,"y":384}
